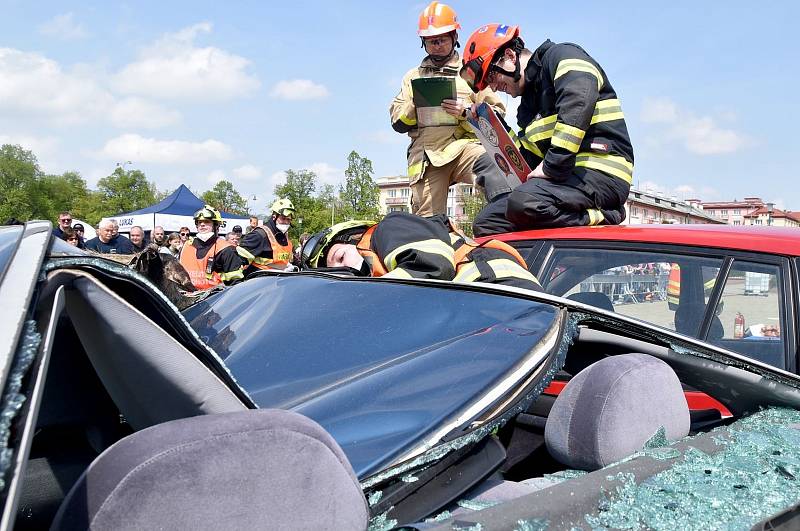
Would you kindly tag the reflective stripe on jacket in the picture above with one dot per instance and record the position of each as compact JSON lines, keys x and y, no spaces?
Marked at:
{"x":198,"y":268}
{"x":570,"y":115}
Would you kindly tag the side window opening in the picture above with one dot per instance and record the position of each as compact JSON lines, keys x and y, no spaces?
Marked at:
{"x":665,"y":289}
{"x":749,"y":311}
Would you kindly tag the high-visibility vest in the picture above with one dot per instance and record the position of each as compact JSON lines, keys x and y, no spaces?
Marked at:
{"x":674,"y":284}
{"x":365,"y":250}
{"x":281,"y":254}
{"x":197,"y":267}
{"x":462,"y":253}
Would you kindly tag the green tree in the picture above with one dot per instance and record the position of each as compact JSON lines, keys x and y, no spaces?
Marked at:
{"x":225,"y":197}
{"x":359,"y":194}
{"x":22,"y":194}
{"x":299,"y":188}
{"x":67,"y":192}
{"x":123,"y":191}
{"x":473,"y":204}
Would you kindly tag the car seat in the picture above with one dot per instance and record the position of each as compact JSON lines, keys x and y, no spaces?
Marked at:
{"x":593,"y":298}
{"x":612,"y":408}
{"x":607,"y":412}
{"x":253,"y":469}
{"x":689,"y":316}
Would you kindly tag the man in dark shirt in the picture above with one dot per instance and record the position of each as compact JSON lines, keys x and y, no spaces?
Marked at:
{"x":107,"y":242}
{"x":64,"y":222}
{"x":137,"y":238}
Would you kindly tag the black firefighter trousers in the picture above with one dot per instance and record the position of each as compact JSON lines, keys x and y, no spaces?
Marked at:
{"x":544,"y":203}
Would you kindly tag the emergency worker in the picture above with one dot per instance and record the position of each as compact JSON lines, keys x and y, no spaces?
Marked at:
{"x":573,"y":132}
{"x":208,"y":258}
{"x":268,"y":247}
{"x":443,"y":149}
{"x":403,"y":245}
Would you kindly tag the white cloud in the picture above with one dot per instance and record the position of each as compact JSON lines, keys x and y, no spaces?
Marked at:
{"x":248,"y":172}
{"x":43,"y":147}
{"x":299,"y":89}
{"x":143,"y":150}
{"x":699,"y":135}
{"x":386,"y":136}
{"x":63,"y":27}
{"x":174,"y":68}
{"x":327,"y":174}
{"x":216,"y":176}
{"x":137,"y":112}
{"x":36,"y":87}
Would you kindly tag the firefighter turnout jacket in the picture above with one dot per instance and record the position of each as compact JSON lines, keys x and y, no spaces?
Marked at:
{"x":211,"y":263}
{"x":570,"y":116}
{"x":435,"y":143}
{"x":403,"y":245}
{"x":265,"y":248}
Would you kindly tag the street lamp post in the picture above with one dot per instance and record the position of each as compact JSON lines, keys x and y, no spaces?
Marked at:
{"x":770,"y":208}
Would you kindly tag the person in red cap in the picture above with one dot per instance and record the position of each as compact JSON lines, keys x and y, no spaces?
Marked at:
{"x":572,"y":132}
{"x":443,"y":149}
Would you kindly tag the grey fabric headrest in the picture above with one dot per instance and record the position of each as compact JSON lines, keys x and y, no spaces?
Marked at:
{"x":611,"y":408}
{"x":257,"y":469}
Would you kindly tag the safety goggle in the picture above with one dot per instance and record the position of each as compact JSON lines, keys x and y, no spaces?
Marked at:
{"x":286,"y":212}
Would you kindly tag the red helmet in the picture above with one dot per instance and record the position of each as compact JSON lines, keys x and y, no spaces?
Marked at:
{"x":480,"y":51}
{"x":437,"y":19}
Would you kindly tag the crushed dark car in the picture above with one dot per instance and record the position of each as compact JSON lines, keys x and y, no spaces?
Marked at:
{"x":300,"y":400}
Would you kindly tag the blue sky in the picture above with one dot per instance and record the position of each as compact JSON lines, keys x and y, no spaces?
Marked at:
{"x":193,"y":92}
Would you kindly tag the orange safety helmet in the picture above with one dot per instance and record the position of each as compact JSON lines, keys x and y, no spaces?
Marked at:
{"x":437,"y":19}
{"x":480,"y":50}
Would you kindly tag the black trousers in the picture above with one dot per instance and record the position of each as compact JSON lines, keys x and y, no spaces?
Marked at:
{"x":543,"y":203}
{"x":494,"y":182}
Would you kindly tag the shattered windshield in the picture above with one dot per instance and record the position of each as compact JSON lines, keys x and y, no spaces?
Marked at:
{"x":372,"y":347}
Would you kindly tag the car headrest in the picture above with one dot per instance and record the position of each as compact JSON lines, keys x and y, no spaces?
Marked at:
{"x":245,"y":470}
{"x":688,"y":317}
{"x":610,"y":409}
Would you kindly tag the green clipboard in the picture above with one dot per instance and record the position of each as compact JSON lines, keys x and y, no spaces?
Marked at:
{"x":429,"y":92}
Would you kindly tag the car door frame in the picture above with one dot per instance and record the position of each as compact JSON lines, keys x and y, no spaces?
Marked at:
{"x":539,"y":255}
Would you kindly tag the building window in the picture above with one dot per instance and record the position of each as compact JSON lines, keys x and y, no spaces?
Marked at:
{"x":724,"y":212}
{"x":634,"y":211}
{"x":737,"y":212}
{"x":405,"y":192}
{"x":736,"y":222}
{"x":449,"y":211}
{"x":391,"y":193}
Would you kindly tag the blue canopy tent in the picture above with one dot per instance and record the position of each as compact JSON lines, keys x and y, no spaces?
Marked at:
{"x":172,"y":213}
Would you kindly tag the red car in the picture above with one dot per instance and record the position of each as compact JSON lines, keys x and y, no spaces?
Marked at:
{"x":733,"y":286}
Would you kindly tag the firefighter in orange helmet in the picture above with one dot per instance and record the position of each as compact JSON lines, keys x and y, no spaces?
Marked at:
{"x":209,"y":259}
{"x":443,"y":149}
{"x":573,"y":132}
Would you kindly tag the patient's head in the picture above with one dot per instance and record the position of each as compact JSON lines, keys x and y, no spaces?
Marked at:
{"x":344,"y":255}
